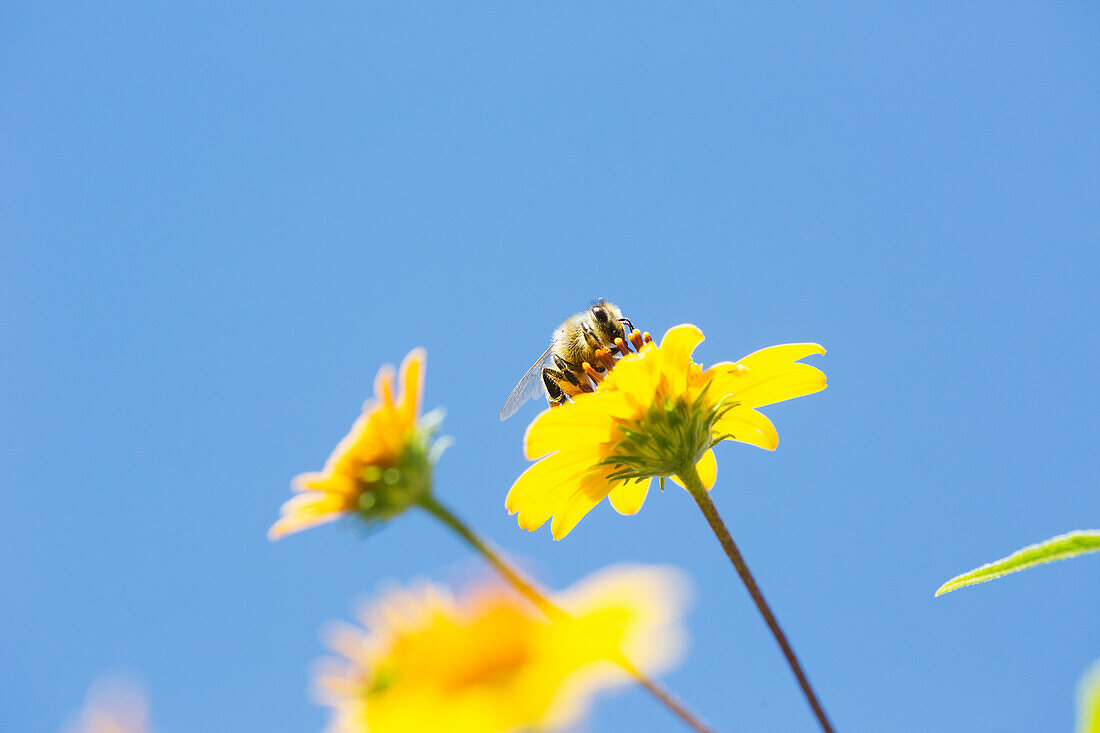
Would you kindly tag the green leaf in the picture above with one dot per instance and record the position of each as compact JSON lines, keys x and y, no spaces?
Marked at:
{"x":1056,"y":548}
{"x":1088,"y":701}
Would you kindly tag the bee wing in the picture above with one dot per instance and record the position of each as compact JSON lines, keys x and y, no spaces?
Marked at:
{"x":528,"y":387}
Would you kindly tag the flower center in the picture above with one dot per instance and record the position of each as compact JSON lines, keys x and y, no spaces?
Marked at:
{"x":387,"y":489}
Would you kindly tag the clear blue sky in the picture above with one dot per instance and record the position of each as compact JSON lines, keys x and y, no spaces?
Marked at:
{"x":216,"y":222}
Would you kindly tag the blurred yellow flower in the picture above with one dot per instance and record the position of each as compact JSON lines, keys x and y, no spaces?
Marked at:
{"x":112,"y":706}
{"x":654,"y":415}
{"x":1088,"y":701}
{"x":489,"y":661}
{"x":379,"y":469}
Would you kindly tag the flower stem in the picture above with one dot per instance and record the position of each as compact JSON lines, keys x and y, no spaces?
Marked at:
{"x":695,"y":487}
{"x":552,"y":611}
{"x":526,"y":588}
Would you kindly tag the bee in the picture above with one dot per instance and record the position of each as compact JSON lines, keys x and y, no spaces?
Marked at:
{"x":580,"y":354}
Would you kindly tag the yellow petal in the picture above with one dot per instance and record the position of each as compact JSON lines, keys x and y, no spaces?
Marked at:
{"x":593,"y":488}
{"x":650,"y":602}
{"x":342,"y":460}
{"x":802,"y":380}
{"x":307,"y":510}
{"x":383,"y":385}
{"x":634,"y":381}
{"x":768,"y":376}
{"x":383,"y":437}
{"x":748,"y":426}
{"x":781,"y":354}
{"x":308,"y":481}
{"x":412,"y":369}
{"x":316,"y":502}
{"x":707,"y":468}
{"x":675,"y":354}
{"x":335,"y":483}
{"x":375,"y":437}
{"x":679,"y":342}
{"x":296,"y":523}
{"x":627,"y":498}
{"x":567,"y":519}
{"x":582,"y":423}
{"x":545,"y":487}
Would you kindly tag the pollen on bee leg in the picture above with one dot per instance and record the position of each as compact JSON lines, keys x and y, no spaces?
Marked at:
{"x":636,"y":339}
{"x":571,"y":390}
{"x":592,"y":373}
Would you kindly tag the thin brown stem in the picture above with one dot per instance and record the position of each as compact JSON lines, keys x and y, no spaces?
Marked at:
{"x":526,"y":588}
{"x":702,"y":498}
{"x":551,"y":610}
{"x":665,"y":696}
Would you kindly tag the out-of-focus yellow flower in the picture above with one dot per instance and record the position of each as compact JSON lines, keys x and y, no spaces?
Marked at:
{"x":112,"y":706}
{"x":1088,"y":701}
{"x":654,"y":414}
{"x":383,"y":466}
{"x":490,"y":662}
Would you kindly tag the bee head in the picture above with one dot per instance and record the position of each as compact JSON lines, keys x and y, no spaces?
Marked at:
{"x":605,"y":319}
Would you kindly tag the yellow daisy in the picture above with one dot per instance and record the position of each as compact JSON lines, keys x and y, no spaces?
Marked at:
{"x":655,"y":414}
{"x":488,"y":661}
{"x":379,"y":469}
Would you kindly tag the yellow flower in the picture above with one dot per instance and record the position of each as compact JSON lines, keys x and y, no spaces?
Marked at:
{"x":112,"y":706}
{"x":379,"y":469}
{"x":489,"y":661}
{"x":1088,"y":701}
{"x":654,"y":414}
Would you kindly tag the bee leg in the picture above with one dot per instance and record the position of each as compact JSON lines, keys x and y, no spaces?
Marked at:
{"x":569,"y":371}
{"x":594,"y":343}
{"x":559,"y":388}
{"x":554,"y":394}
{"x":622,"y":342}
{"x":590,"y":337}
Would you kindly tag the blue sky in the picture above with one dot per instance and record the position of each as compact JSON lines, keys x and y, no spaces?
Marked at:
{"x":217,"y":221}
